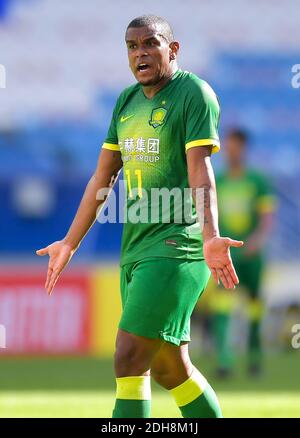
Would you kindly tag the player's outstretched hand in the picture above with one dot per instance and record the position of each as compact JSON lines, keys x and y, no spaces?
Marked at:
{"x":217,"y":255}
{"x":59,"y":254}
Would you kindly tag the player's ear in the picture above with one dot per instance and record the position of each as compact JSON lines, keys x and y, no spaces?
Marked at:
{"x":173,"y":50}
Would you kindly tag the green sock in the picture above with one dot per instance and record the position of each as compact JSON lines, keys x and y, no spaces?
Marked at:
{"x":221,"y":323}
{"x":132,"y":409}
{"x":255,"y":313}
{"x":196,"y":398}
{"x":133,"y":398}
{"x":255,"y":351}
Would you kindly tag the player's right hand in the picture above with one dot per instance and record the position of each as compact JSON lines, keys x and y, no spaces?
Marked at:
{"x":59,"y":254}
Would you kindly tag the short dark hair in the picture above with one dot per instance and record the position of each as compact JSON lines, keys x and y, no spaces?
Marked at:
{"x":239,"y":134}
{"x":153,"y":20}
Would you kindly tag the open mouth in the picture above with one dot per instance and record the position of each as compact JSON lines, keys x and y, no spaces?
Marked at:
{"x":143,"y":67}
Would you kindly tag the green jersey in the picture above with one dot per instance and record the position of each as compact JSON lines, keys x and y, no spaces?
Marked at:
{"x":241,"y":201}
{"x":153,"y":136}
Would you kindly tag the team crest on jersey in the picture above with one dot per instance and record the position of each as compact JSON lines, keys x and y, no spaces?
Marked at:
{"x":158,"y":116}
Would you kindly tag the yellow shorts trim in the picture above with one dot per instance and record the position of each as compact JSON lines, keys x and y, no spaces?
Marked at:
{"x":189,"y":390}
{"x":133,"y":388}
{"x":255,"y":310}
{"x":223,"y":301}
{"x":204,"y":142}
{"x":111,"y":147}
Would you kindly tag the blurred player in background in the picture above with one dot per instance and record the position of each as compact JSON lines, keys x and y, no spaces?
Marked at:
{"x":163,"y":131}
{"x":246,"y":209}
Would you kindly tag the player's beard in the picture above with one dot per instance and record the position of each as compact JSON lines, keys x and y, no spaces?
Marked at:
{"x":149,"y":82}
{"x":152,"y":81}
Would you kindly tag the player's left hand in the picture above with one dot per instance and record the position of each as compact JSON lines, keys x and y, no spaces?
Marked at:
{"x":217,"y":255}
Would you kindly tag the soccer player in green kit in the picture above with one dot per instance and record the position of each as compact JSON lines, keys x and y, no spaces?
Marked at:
{"x":246,"y":208}
{"x":163,"y":131}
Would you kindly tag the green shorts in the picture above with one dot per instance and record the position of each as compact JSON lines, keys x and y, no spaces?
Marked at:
{"x":159,"y":295}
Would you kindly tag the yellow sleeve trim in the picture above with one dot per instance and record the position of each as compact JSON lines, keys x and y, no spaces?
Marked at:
{"x":111,"y":147}
{"x":266,"y":204}
{"x":204,"y":142}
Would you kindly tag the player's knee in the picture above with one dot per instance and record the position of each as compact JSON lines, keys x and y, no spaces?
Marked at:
{"x":170,"y":370}
{"x":161,"y":376}
{"x":131,"y":359}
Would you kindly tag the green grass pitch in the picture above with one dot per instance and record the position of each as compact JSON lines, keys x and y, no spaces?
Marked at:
{"x":83,"y":387}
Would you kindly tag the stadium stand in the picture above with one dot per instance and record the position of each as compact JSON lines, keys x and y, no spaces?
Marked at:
{"x":66,"y":63}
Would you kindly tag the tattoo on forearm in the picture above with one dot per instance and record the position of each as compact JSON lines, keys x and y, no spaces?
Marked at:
{"x":202,"y":199}
{"x":206,"y":195}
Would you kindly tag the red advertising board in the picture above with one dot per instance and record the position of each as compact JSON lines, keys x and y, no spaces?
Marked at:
{"x":35,"y":323}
